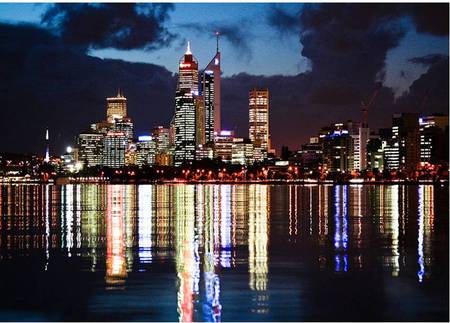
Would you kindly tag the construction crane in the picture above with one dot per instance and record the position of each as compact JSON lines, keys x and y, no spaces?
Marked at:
{"x":365,"y":106}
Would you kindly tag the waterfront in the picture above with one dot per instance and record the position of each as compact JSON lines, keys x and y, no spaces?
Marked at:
{"x":224,"y":252}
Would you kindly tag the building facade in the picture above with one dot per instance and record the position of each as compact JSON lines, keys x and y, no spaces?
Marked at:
{"x":259,"y":118}
{"x":116,"y":107}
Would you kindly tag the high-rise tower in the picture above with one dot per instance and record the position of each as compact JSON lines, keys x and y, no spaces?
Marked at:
{"x":259,"y":118}
{"x":188,"y":72}
{"x":47,"y":147}
{"x":211,"y":92}
{"x":116,"y":107}
{"x":185,"y":109}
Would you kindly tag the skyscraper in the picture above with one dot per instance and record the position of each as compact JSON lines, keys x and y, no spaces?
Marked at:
{"x":188,"y":73}
{"x":185,"y":109}
{"x":211,"y":80}
{"x":200,"y":136}
{"x":184,"y":127}
{"x":115,"y":146}
{"x":433,"y":132}
{"x":259,"y":118}
{"x":90,"y":147}
{"x":116,"y":107}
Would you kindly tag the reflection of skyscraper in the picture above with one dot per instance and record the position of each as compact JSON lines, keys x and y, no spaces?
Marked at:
{"x":211,"y":80}
{"x":258,"y":243}
{"x":116,"y":271}
{"x":145,"y":224}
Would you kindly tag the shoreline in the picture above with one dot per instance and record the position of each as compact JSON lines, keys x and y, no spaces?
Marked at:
{"x":107,"y":181}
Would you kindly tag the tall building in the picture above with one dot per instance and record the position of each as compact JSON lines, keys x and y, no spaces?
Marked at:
{"x":188,"y":73}
{"x":259,"y":118}
{"x":161,"y":137}
{"x":433,"y":132}
{"x":124,"y":125}
{"x":200,"y":136}
{"x":47,"y":147}
{"x":211,"y":84}
{"x":185,"y":123}
{"x":337,"y":147}
{"x":116,"y":107}
{"x":90,"y":148}
{"x":405,"y":128}
{"x":223,"y":145}
{"x":145,"y":150}
{"x":115,"y":145}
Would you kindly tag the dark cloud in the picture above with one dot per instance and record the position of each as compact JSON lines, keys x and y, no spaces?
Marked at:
{"x":431,"y":18}
{"x":105,"y":25}
{"x":286,"y":21}
{"x":428,"y":60}
{"x":429,"y":93}
{"x":235,"y":34}
{"x":45,"y":83}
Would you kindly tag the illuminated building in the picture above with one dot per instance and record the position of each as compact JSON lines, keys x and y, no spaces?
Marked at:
{"x":184,"y":127}
{"x":124,"y":125}
{"x":131,"y":154}
{"x":402,"y":151}
{"x":211,"y":84}
{"x":116,"y":107}
{"x":337,"y":144}
{"x":310,"y":155}
{"x":161,"y":137}
{"x":200,"y":138}
{"x":433,"y":132}
{"x":204,"y":151}
{"x":164,"y":159}
{"x":69,"y":160}
{"x":185,"y":109}
{"x":242,"y":151}
{"x":259,"y":118}
{"x":146,"y":151}
{"x":223,"y":145}
{"x":188,"y":73}
{"x":90,"y":148}
{"x":47,"y":147}
{"x":115,"y":145}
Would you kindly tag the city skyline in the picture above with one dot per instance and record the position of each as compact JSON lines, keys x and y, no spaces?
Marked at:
{"x":297,"y":101}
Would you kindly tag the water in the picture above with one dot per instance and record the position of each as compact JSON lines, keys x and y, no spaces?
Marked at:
{"x":224,"y":252}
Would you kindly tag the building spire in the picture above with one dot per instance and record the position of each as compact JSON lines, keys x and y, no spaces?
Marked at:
{"x":217,"y":41}
{"x":188,"y":51}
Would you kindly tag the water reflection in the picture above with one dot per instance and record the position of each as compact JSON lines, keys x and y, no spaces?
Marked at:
{"x":205,"y":232}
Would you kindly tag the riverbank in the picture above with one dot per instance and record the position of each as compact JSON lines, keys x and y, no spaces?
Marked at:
{"x":106,"y":180}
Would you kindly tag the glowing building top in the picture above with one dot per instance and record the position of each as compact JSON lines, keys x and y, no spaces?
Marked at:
{"x":116,"y":107}
{"x":188,"y":72}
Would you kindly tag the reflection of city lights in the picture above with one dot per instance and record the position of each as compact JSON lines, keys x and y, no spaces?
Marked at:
{"x":225,"y":226}
{"x":145,"y":223}
{"x":115,"y":245}
{"x":425,"y":227}
{"x":341,"y":228}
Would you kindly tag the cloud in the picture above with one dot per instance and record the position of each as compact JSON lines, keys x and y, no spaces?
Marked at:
{"x":431,"y":18}
{"x":234,"y":33}
{"x":428,"y":60}
{"x":285,"y":21}
{"x":104,"y":25}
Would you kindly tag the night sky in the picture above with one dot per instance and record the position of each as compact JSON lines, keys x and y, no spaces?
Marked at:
{"x":59,"y":62}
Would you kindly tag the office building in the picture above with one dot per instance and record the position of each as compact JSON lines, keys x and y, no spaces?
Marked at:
{"x":200,"y":136}
{"x":259,"y":118}
{"x":211,"y":91}
{"x":433,"y":131}
{"x":242,"y":152}
{"x":115,"y":144}
{"x":161,"y":137}
{"x":124,"y":125}
{"x":90,"y":148}
{"x":223,"y":145}
{"x":188,"y":73}
{"x":185,"y":127}
{"x":145,"y":151}
{"x":116,"y":107}
{"x":405,"y":132}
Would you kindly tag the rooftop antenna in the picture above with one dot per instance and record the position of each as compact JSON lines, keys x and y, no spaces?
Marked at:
{"x":188,"y":51}
{"x":217,"y":41}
